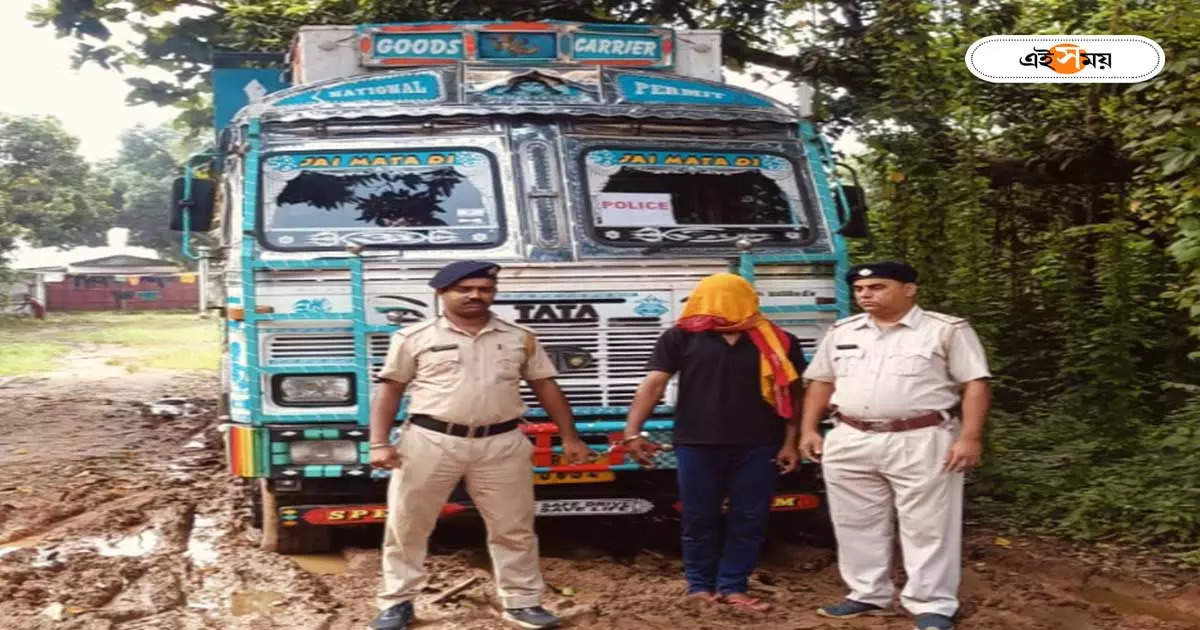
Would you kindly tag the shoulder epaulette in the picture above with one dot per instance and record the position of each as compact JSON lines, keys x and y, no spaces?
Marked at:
{"x":847,"y":320}
{"x":408,"y":330}
{"x":505,"y":322}
{"x":949,"y":319}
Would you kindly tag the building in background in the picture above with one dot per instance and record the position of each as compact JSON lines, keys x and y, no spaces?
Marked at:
{"x":114,"y":277}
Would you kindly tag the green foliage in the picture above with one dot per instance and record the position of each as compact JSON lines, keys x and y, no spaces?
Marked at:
{"x":1160,"y":127}
{"x":141,"y":175}
{"x":1048,"y":472}
{"x":48,"y":193}
{"x":1044,"y":213}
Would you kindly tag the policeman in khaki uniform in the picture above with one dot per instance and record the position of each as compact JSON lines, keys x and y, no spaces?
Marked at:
{"x":462,"y":372}
{"x":910,"y":393}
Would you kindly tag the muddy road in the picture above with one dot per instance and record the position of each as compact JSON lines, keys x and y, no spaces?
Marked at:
{"x":113,"y":519}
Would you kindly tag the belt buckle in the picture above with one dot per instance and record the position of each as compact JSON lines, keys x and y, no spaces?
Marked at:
{"x":479,"y":431}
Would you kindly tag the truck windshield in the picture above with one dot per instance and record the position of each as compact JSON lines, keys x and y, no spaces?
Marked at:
{"x":413,"y":198}
{"x":640,"y":196}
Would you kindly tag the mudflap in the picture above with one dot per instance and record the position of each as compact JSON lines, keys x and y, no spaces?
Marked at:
{"x":283,"y":534}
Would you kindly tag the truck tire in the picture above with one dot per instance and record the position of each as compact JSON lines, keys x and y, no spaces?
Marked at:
{"x":300,"y":538}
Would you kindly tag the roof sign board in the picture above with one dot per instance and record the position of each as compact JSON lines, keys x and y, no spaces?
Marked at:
{"x":613,"y":48}
{"x":518,"y":46}
{"x":388,"y":48}
{"x":641,"y":88}
{"x":543,"y":84}
{"x":384,"y":45}
{"x":415,"y":87}
{"x":519,"y":88}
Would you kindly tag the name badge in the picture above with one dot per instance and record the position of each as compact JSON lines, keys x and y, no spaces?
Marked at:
{"x":449,"y":346}
{"x":847,"y":346}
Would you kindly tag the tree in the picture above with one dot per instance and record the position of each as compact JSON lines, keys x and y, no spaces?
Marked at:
{"x":49,"y":195}
{"x":1044,"y":213}
{"x":140,"y":177}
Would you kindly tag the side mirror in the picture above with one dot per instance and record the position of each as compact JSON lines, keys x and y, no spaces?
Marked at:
{"x":854,"y":218}
{"x":200,"y":206}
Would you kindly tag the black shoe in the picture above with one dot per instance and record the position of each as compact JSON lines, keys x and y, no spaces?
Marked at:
{"x":395,"y":618}
{"x":849,"y":608}
{"x":532,"y":617}
{"x":934,"y":621}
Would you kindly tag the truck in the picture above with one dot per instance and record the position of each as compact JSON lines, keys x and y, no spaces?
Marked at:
{"x":607,"y":168}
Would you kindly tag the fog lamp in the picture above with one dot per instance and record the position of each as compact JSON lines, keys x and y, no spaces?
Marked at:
{"x":306,"y":452}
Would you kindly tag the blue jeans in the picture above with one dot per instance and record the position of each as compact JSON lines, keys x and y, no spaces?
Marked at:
{"x":716,"y":560}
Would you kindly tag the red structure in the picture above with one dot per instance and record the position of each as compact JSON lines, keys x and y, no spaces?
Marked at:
{"x":116,"y":283}
{"x":116,"y":293}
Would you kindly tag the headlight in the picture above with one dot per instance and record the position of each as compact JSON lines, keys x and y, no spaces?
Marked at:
{"x":313,"y":390}
{"x":323,"y":452}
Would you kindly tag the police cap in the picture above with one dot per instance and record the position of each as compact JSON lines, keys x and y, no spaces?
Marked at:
{"x":890,"y":269}
{"x":461,"y":270}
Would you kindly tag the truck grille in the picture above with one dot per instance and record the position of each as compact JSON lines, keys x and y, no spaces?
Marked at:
{"x":284,"y":349}
{"x":619,"y":351}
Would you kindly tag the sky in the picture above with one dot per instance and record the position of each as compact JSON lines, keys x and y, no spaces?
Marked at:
{"x":36,"y":78}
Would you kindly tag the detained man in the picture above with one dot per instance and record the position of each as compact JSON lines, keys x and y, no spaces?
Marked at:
{"x":736,"y":428}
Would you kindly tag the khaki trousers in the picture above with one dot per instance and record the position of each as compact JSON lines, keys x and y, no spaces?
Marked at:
{"x":499,"y":478}
{"x":867,"y":476}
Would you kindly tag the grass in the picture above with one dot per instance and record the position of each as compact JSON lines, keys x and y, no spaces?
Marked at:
{"x":150,"y":340}
{"x":27,"y":358}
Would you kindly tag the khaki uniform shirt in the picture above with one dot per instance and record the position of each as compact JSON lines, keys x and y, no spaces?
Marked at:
{"x":462,"y":378}
{"x":911,"y":368}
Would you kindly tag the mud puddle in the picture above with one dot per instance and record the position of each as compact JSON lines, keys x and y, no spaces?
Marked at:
{"x":321,"y":563}
{"x":1133,"y":599}
{"x":253,"y":602}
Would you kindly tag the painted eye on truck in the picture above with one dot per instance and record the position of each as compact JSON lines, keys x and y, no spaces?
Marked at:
{"x":401,"y":314}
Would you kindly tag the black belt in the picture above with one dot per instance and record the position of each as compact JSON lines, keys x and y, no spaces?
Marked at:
{"x":462,"y":430}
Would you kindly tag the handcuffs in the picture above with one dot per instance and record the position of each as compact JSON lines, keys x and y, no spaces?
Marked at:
{"x":641,"y":435}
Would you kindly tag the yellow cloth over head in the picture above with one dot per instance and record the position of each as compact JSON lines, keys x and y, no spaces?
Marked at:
{"x":726,"y":302}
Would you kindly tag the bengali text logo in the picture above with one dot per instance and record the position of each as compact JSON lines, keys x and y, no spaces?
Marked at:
{"x":1065,"y":59}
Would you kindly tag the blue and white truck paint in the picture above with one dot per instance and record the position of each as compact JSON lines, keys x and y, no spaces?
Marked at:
{"x":599,"y":164}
